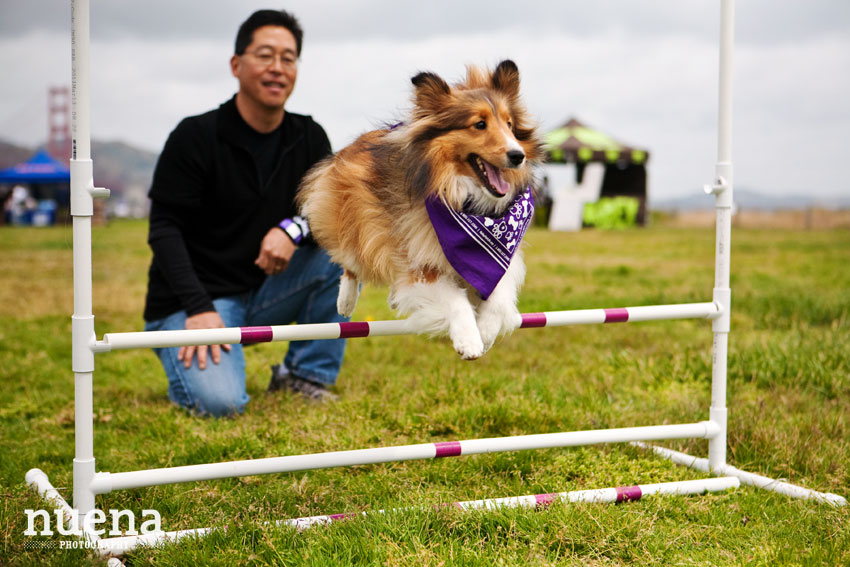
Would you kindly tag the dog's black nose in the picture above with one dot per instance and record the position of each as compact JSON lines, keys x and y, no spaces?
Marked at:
{"x":516,"y":157}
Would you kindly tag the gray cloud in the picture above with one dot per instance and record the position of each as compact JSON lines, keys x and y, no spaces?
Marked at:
{"x":762,"y":21}
{"x":646,"y":71}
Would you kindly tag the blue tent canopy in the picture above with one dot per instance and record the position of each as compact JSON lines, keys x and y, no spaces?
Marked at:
{"x":40,"y":168}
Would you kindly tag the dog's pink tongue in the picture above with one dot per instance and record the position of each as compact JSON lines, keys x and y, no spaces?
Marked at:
{"x":495,"y":178}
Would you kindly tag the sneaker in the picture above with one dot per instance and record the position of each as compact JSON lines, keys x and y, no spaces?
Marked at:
{"x":282,"y":379}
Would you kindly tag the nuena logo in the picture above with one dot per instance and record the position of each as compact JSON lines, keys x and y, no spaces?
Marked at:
{"x":92,"y":522}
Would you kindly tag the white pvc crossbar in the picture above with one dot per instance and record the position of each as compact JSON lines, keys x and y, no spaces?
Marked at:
{"x":106,"y":482}
{"x":320,"y":331}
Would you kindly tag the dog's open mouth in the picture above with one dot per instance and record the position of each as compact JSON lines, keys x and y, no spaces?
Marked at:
{"x":490,"y":176}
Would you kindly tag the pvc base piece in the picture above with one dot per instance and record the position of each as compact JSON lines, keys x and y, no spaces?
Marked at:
{"x":757,"y":480}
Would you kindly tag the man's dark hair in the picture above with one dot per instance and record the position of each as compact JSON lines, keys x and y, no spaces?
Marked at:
{"x":261,"y":18}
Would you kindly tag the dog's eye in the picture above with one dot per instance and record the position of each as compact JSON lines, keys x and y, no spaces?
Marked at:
{"x":481,"y":125}
{"x":510,"y":125}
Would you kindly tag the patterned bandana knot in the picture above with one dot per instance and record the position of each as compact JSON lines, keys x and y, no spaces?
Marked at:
{"x":480,"y":248}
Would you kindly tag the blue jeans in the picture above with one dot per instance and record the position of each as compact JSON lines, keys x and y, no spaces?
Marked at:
{"x":306,"y":292}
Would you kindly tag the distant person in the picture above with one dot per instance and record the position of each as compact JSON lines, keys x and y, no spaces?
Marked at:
{"x":228,"y":247}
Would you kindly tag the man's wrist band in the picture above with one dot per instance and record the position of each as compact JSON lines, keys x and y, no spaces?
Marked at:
{"x":295,"y":228}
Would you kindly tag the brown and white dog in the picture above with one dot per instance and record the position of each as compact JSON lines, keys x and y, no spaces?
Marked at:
{"x":471,"y":145}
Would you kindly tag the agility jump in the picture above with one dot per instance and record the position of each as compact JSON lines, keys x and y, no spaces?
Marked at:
{"x":88,"y":482}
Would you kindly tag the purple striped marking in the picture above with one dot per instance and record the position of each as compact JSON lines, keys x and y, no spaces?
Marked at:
{"x":619,"y":315}
{"x":447,"y":449}
{"x":353,"y":329}
{"x":627,"y":493}
{"x":346,"y":516}
{"x":251,"y":335}
{"x":544,"y":500}
{"x":533,"y":320}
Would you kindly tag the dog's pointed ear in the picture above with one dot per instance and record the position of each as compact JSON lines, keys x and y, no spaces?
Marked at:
{"x":506,"y":78}
{"x":430,"y":90}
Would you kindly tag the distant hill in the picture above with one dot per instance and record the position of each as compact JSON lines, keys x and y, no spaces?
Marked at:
{"x":747,"y":199}
{"x":122,"y":168}
{"x":117,"y":165}
{"x":10,"y":154}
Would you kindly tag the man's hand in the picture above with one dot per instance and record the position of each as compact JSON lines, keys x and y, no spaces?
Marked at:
{"x":276,"y":250}
{"x":205,"y":320}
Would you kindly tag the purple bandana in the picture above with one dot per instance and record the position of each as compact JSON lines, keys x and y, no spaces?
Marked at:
{"x":480,"y":248}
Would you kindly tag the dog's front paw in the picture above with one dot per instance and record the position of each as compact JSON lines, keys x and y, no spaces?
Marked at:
{"x":469,"y":347}
{"x":349,"y":292}
{"x":492,"y":323}
{"x":465,"y":337}
{"x":345,"y":307}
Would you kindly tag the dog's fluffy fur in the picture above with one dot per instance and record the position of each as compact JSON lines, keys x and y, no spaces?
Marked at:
{"x":365,"y":205}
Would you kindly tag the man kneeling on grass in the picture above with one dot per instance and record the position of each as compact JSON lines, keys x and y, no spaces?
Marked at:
{"x":228,"y":248}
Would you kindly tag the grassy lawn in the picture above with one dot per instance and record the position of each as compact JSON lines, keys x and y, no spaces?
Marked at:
{"x":789,"y":417}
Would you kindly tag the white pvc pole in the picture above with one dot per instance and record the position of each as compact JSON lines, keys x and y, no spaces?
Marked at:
{"x":82,"y":321}
{"x":319,"y":331}
{"x":105,"y":482}
{"x":722,"y":188}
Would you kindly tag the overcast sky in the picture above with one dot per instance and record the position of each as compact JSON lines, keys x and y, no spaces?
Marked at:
{"x":646,"y":72}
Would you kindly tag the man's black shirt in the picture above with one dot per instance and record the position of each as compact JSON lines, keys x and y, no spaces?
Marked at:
{"x":218,"y":188}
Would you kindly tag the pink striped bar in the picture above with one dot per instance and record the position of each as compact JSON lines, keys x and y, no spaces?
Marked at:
{"x":530,"y":320}
{"x":447,"y":449}
{"x":628,"y":493}
{"x":252,"y":335}
{"x":618,"y":315}
{"x":353,"y":329}
{"x":599,"y":496}
{"x":121,"y":545}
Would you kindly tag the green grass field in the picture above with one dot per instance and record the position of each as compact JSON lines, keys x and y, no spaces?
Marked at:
{"x":789,"y":417}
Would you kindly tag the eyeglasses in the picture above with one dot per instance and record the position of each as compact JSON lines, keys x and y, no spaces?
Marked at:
{"x":267,"y":58}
